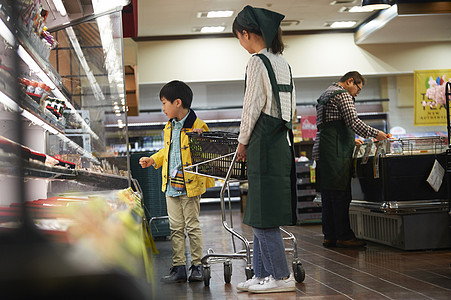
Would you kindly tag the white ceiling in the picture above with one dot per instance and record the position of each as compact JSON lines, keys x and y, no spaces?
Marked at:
{"x":412,"y":20}
{"x":179,"y":17}
{"x":166,"y":19}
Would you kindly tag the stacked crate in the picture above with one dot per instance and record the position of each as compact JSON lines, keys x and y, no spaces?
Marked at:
{"x":307,"y":211}
{"x":154,"y":200}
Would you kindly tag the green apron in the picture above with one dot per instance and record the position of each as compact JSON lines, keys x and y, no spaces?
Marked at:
{"x":336,"y":145}
{"x":271,"y":199}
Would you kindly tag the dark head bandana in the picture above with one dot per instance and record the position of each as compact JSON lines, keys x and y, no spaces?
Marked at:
{"x":263,"y":20}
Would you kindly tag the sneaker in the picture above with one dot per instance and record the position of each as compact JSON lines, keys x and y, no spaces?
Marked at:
{"x":196,"y":273}
{"x":176,"y":274}
{"x":274,"y":286}
{"x":354,"y":243}
{"x":244,"y":286}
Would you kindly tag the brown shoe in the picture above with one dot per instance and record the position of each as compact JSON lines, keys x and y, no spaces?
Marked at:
{"x":329,"y":243}
{"x":354,"y":243}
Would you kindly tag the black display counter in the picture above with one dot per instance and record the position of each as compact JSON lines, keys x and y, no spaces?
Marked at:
{"x":393,"y":203}
{"x":401,"y":178}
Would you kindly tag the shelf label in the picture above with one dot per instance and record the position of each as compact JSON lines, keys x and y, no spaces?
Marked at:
{"x":436,"y":176}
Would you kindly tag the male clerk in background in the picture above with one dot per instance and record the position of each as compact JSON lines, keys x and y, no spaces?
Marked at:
{"x":338,"y":124}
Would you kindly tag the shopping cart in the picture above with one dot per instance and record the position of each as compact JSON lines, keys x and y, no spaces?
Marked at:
{"x":213,"y":155}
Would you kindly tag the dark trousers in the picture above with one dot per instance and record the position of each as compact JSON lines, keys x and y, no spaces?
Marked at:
{"x":335,"y":215}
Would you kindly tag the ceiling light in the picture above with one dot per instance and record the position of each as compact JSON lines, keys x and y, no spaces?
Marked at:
{"x":60,"y":7}
{"x":286,"y":23}
{"x":215,"y":14}
{"x":108,"y":5}
{"x":341,"y":2}
{"x":7,"y":34}
{"x":212,"y":29}
{"x":358,"y":9}
{"x":376,"y":4}
{"x":343,"y":24}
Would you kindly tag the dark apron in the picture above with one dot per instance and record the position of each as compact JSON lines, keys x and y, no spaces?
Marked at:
{"x":271,"y":199}
{"x":336,"y":146}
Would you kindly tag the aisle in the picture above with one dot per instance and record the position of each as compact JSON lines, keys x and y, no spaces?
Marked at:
{"x":377,"y":272}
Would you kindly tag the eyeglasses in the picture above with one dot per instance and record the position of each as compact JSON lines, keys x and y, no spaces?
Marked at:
{"x":357,"y":87}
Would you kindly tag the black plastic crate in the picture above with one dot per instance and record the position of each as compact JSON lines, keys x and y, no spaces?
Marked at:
{"x":210,"y":147}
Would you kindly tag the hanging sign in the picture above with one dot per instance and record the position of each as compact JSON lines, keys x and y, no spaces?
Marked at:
{"x":429,"y":89}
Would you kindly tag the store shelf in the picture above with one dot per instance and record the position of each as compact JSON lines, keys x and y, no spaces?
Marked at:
{"x":33,"y":169}
{"x":20,"y":39}
{"x":33,"y":212}
{"x":39,"y":170}
{"x":26,"y":42}
{"x":103,"y":180}
{"x":307,"y":210}
{"x":43,"y":69}
{"x":25,"y":103}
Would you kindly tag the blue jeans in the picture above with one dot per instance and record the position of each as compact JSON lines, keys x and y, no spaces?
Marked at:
{"x":269,"y":253}
{"x":335,"y":215}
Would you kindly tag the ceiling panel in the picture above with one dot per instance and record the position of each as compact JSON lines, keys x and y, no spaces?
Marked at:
{"x":178,"y":17}
{"x":416,"y":20}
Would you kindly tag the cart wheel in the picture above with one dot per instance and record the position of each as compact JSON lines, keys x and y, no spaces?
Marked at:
{"x":249,"y":273}
{"x":207,"y":275}
{"x":299,"y":272}
{"x":227,"y":271}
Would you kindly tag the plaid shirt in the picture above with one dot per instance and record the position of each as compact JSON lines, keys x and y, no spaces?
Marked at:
{"x":340,"y":107}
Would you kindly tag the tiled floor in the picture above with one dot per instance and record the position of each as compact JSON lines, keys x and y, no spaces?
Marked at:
{"x":377,"y":272}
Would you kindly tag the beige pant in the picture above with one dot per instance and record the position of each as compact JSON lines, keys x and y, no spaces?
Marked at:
{"x":183,"y":212}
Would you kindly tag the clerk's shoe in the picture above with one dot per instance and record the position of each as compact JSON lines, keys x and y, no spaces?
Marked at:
{"x":177,"y":274}
{"x":329,"y":243}
{"x":354,"y":243}
{"x":196,"y":273}
{"x":244,"y":286}
{"x":274,"y":285}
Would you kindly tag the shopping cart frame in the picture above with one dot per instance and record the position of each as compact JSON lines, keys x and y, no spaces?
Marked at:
{"x":245,"y":254}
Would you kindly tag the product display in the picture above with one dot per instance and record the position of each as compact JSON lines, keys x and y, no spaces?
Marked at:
{"x":400,"y":193}
{"x":55,"y":106}
{"x":11,"y":148}
{"x":397,"y":169}
{"x":104,"y":229}
{"x":70,"y":225}
{"x":34,"y":17}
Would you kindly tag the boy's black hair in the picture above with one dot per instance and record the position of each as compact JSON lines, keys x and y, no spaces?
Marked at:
{"x":177,"y":90}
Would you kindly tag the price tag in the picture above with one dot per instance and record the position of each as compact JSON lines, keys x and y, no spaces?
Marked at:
{"x":436,"y":176}
{"x":367,"y":153}
{"x":312,"y":174}
{"x":354,"y":159}
{"x":377,"y":155}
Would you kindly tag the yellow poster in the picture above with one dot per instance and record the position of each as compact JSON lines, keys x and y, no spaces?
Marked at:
{"x":430,"y":102}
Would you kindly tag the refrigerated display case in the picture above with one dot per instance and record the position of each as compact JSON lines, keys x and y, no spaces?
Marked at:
{"x":71,"y":221}
{"x":401,"y":193}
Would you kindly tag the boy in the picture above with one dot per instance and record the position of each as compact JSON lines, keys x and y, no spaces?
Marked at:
{"x":182,"y":189}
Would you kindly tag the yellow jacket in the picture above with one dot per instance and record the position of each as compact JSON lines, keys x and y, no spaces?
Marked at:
{"x":195,"y":184}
